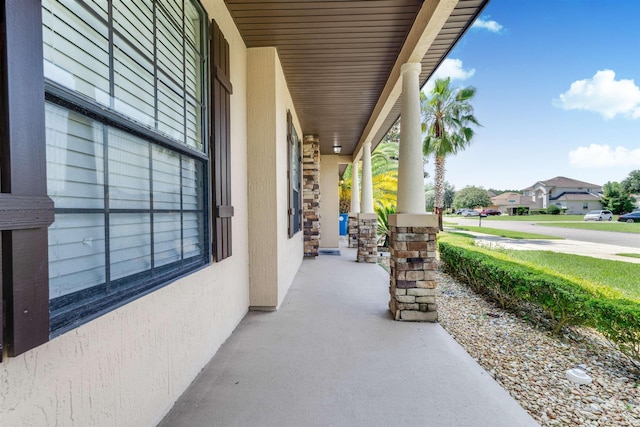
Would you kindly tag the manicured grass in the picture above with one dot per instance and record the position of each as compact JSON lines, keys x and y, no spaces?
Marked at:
{"x":615,"y":279}
{"x":620,"y":276}
{"x":630,"y":255}
{"x":534,"y":218}
{"x":621,"y":227}
{"x":506,"y":233}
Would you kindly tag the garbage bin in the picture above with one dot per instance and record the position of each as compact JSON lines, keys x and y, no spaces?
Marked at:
{"x":344,"y":221}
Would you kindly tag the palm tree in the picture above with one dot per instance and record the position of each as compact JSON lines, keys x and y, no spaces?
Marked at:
{"x":446,"y":117}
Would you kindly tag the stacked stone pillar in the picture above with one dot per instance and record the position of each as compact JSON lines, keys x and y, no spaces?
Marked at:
{"x":353,"y":230}
{"x":413,"y":263}
{"x":311,"y":195}
{"x":367,"y":237}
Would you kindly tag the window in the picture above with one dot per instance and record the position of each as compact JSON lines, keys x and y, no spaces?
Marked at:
{"x":125,"y":146}
{"x":585,"y":205}
{"x":294,"y":176}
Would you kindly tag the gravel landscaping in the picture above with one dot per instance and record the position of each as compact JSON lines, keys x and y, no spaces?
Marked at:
{"x":531,"y":364}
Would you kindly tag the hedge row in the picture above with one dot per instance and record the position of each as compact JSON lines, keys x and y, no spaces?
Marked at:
{"x":511,"y":284}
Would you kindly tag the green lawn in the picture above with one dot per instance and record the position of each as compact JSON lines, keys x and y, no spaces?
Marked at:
{"x":616,"y":279}
{"x":620,"y":276}
{"x":621,"y":227}
{"x":534,"y":218}
{"x":506,"y":233}
{"x":630,"y":255}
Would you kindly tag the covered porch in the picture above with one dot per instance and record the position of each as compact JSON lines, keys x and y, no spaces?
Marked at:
{"x":331,"y":356}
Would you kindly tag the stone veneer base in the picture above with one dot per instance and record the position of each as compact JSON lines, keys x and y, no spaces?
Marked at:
{"x":353,"y":230}
{"x":311,"y":195}
{"x":367,"y":238}
{"x":413,"y":263}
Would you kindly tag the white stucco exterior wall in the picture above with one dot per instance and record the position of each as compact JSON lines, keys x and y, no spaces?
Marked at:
{"x":330,"y":202}
{"x":275,"y":258}
{"x":128,"y":367}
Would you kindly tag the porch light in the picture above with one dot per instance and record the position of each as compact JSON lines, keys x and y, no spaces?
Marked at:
{"x":337,"y":148}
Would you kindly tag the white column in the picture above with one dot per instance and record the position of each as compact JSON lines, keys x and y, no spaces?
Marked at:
{"x":355,"y":188}
{"x":410,"y":164}
{"x":366,"y":206}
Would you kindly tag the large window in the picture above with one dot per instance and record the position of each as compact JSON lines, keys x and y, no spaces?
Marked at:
{"x":295,"y":178}
{"x":126,"y":153}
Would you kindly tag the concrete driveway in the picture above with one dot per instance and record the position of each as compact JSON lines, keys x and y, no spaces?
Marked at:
{"x":597,"y":244}
{"x":630,"y":240}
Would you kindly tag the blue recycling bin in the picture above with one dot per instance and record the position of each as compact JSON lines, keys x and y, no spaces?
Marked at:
{"x":344,"y":221}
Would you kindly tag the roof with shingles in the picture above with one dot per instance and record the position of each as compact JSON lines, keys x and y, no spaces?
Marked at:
{"x":562,"y":181}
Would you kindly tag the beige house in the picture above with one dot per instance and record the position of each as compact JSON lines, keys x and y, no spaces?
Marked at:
{"x":508,"y":203}
{"x":167,"y":165}
{"x":571,"y":195}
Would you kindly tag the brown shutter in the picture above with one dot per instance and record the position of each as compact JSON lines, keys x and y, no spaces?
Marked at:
{"x":220,"y":143}
{"x":25,"y":209}
{"x":290,"y":143}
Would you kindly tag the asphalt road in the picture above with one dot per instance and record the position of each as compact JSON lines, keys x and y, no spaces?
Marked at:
{"x":629,"y":240}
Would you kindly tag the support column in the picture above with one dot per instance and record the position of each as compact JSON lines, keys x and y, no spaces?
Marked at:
{"x":311,"y":195}
{"x":410,"y":163}
{"x":355,"y":206}
{"x":412,"y":247}
{"x":366,"y":205}
{"x":413,"y":263}
{"x":367,"y":220}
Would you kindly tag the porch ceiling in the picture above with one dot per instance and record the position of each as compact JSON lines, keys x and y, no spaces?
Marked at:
{"x":338,"y":57}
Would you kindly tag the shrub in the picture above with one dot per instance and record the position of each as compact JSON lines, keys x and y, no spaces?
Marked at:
{"x":553,"y":210}
{"x":565,"y":302}
{"x":537,"y":212}
{"x":619,"y":321}
{"x":521,"y":210}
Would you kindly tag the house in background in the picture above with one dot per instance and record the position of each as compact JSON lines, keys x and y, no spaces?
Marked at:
{"x":166,"y":165}
{"x":571,"y":195}
{"x":508,"y":203}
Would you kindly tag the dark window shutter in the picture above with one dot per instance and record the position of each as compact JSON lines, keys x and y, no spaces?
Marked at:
{"x":220,"y":143}
{"x":25,"y":209}
{"x":290,"y":210}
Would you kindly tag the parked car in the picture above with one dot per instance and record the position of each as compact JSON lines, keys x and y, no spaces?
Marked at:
{"x":469,"y":212}
{"x":598,"y":216}
{"x":490,"y":212}
{"x":630,"y":217}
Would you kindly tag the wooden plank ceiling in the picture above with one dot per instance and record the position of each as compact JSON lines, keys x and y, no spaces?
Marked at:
{"x":337,"y":56}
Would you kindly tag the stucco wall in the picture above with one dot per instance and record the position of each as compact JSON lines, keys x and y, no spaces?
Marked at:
{"x":128,"y":367}
{"x":330,"y":202}
{"x":275,"y":258}
{"x":262,"y":185}
{"x":291,"y":250}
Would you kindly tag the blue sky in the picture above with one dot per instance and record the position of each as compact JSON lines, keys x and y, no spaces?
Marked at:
{"x":558,"y":92}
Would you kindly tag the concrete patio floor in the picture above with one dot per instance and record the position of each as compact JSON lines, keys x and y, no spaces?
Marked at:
{"x":332,"y":356}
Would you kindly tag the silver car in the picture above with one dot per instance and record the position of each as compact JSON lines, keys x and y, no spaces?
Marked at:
{"x":470,"y":212}
{"x":598,"y":216}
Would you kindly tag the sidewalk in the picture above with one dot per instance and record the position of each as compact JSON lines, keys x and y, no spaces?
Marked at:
{"x":576,"y":247}
{"x":332,"y":356}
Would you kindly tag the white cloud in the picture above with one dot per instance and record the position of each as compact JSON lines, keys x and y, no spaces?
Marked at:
{"x":449,"y":68}
{"x":602,"y":94}
{"x":604,"y":156}
{"x":492,"y":26}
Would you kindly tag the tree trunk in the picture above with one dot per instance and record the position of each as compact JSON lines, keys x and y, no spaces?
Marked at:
{"x":439,"y":189}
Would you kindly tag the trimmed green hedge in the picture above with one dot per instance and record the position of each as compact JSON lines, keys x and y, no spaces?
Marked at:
{"x":511,"y":283}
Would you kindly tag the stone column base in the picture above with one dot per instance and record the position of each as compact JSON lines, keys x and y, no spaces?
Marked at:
{"x":413,"y":263}
{"x":367,"y":237}
{"x":353,"y":230}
